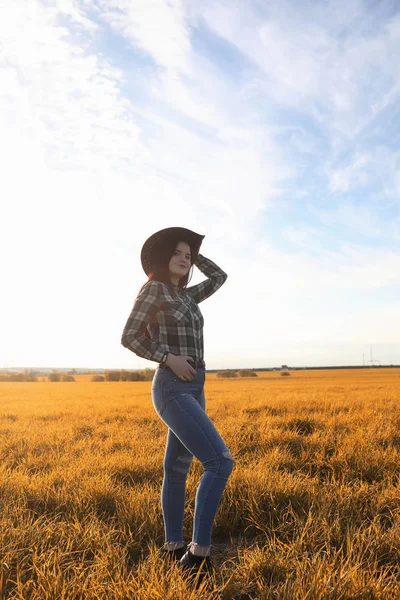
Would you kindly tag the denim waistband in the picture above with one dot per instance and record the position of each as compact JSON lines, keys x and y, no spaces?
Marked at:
{"x":196,"y":364}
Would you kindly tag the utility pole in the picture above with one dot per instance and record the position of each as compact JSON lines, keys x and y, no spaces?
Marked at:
{"x":372,"y":361}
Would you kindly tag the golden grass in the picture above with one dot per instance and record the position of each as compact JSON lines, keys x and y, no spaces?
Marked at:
{"x":311,"y":510}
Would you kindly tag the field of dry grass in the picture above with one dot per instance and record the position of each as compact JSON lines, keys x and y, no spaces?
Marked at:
{"x":311,"y":510}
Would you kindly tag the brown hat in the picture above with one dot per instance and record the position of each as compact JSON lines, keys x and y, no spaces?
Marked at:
{"x":148,"y":254}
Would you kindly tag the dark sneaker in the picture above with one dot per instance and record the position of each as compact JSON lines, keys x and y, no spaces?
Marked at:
{"x":171,"y":555}
{"x":194,"y":567}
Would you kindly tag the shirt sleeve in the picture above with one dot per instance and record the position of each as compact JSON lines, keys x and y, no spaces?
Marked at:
{"x":145,"y":307}
{"x":216,"y":277}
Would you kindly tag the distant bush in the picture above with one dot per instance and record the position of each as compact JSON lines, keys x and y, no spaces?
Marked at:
{"x":226,"y":374}
{"x":67,"y":378}
{"x":97,"y":378}
{"x":112,"y":375}
{"x":54,"y":376}
{"x":247,"y":373}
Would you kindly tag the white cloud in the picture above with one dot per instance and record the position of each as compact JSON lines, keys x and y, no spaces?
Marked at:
{"x":157,"y":26}
{"x":352,"y":266}
{"x":236,"y":161}
{"x":323,"y":61}
{"x":353,"y":175}
{"x":362,"y":219}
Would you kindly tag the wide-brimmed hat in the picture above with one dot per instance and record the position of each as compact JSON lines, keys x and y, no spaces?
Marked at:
{"x":154,"y":243}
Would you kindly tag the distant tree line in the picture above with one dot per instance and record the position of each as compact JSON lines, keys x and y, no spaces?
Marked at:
{"x":27,"y":375}
{"x":115,"y":375}
{"x":123,"y":375}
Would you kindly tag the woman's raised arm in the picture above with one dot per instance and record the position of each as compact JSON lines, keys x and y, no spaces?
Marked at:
{"x":216,"y":277}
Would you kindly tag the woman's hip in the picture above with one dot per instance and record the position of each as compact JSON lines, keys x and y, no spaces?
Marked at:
{"x":166,"y":386}
{"x":184,"y":414}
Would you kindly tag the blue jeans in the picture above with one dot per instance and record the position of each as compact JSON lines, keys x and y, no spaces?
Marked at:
{"x":181,"y":406}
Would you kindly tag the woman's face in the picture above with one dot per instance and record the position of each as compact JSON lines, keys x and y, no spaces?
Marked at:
{"x":180,"y":263}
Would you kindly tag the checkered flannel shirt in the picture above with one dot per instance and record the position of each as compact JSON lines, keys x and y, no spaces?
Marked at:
{"x":161,"y":321}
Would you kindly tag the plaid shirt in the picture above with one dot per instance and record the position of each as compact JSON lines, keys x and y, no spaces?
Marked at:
{"x":164,"y":322}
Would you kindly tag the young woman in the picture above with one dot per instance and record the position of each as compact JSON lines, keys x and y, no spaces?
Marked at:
{"x":166,"y":326}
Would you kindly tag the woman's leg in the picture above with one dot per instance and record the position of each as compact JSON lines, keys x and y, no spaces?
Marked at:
{"x":184,"y":415}
{"x":177,"y":461}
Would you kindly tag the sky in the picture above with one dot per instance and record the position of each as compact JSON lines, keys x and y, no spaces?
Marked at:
{"x":270,"y":127}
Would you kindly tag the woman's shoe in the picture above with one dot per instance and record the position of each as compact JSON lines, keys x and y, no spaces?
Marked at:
{"x":171,"y":555}
{"x":196,"y":567}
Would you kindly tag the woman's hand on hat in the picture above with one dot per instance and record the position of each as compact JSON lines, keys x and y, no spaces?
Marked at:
{"x":180,"y":366}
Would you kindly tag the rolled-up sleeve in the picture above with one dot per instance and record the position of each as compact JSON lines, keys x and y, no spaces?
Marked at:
{"x":145,"y":307}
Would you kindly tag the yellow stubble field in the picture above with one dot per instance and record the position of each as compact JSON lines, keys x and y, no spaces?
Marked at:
{"x":311,"y":510}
